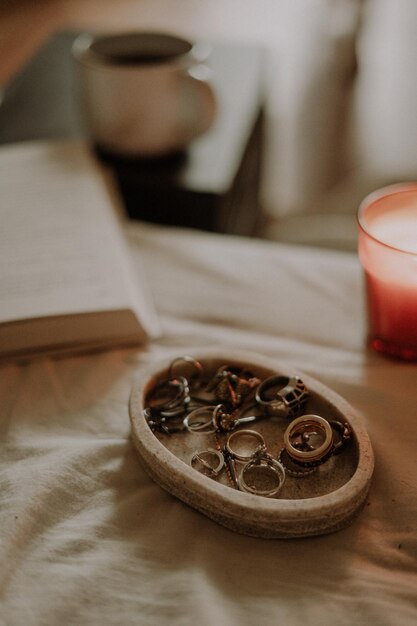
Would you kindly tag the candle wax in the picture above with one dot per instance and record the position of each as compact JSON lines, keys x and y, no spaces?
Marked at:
{"x":398,"y":229}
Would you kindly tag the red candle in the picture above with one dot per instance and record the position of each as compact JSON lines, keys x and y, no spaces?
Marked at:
{"x":388,"y":253}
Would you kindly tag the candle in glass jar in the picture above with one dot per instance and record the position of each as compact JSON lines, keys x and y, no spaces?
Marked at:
{"x":388,"y":252}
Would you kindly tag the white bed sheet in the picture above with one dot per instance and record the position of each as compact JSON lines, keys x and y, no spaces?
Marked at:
{"x":88,"y":538}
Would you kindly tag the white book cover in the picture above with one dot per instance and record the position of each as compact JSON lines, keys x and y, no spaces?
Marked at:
{"x":63,"y":253}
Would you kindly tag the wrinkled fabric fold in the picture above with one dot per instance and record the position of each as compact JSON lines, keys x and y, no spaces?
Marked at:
{"x":88,"y":538}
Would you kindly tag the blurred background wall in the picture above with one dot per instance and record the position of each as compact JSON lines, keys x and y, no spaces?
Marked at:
{"x":341,"y":92}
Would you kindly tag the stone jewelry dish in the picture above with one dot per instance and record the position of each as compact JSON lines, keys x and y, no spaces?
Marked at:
{"x":324,"y":501}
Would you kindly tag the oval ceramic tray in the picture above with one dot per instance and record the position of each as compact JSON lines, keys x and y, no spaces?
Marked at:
{"x":324,"y":501}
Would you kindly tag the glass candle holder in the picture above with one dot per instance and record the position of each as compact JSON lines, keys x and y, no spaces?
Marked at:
{"x":387,"y":247}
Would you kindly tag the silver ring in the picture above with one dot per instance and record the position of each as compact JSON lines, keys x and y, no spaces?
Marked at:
{"x":289,"y":398}
{"x":271,"y":470}
{"x":342,"y":435}
{"x":299,"y":440}
{"x":257,"y":443}
{"x":201,"y":420}
{"x":168,"y":394}
{"x":201,"y":462}
{"x":223,"y":421}
{"x":186,"y":359}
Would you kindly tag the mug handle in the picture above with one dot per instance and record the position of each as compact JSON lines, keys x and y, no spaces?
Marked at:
{"x":198,"y":106}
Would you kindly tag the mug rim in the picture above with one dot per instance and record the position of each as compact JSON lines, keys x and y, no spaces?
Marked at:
{"x":83,"y":49}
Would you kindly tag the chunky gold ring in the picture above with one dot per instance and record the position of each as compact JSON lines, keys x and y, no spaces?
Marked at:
{"x":300,"y":439}
{"x":256,"y":442}
{"x":282,"y":395}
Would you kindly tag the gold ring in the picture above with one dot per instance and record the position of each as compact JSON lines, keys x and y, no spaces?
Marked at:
{"x":300,"y":439}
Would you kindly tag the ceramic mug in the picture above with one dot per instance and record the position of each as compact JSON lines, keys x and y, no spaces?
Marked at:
{"x":143,"y":93}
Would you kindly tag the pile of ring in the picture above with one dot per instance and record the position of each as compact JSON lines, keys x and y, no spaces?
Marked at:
{"x":233,"y":397}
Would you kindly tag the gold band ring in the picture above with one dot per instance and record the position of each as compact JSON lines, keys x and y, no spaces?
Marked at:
{"x":309,"y":439}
